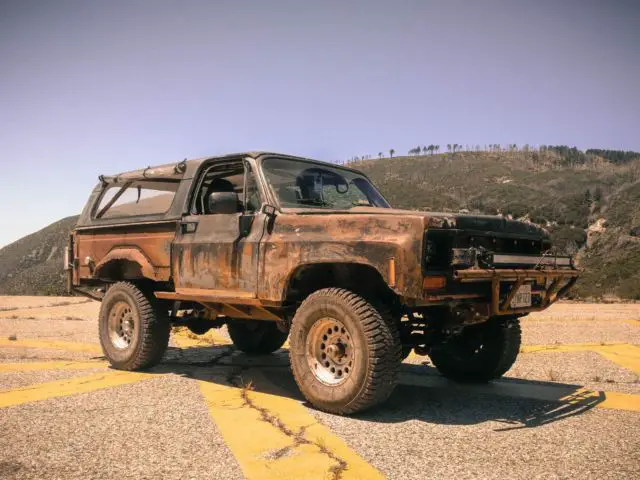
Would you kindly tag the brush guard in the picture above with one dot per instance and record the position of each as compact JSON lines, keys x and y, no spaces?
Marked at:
{"x":505,"y":283}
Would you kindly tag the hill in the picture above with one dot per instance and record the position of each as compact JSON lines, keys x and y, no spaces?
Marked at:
{"x":589,"y":203}
{"x":33,"y":264}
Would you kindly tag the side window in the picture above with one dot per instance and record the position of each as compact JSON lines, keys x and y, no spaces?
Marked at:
{"x":136,"y":198}
{"x":227,"y":182}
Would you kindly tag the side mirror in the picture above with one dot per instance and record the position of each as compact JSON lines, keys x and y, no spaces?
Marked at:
{"x":269,"y":210}
{"x":223,"y":202}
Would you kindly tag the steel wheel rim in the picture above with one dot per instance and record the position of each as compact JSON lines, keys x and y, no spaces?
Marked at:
{"x":330,"y":351}
{"x":122,"y":325}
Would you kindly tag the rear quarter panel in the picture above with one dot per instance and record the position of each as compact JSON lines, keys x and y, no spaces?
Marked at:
{"x":153,"y":241}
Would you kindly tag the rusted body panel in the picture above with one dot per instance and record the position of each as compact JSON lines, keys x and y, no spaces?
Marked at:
{"x":216,"y":256}
{"x":298,"y":240}
{"x":149,"y":247}
{"x":208,"y":259}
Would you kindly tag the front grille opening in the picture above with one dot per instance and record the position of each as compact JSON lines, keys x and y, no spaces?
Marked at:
{"x":438,"y":246}
{"x":496,"y":244}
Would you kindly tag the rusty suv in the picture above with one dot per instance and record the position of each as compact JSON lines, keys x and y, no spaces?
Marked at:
{"x":275,"y":247}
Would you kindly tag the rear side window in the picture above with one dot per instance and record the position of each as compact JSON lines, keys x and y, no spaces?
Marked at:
{"x":133,"y":199}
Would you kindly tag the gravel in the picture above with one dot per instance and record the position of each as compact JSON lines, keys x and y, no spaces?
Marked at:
{"x":23,"y":379}
{"x":15,"y":354}
{"x":425,"y":433}
{"x":160,"y":427}
{"x":588,"y":369}
{"x":83,"y":331}
{"x":549,"y":332}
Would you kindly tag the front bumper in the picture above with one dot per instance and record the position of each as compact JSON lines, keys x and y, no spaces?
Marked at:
{"x":551,"y":284}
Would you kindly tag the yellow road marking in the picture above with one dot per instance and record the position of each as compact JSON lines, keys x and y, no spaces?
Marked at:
{"x":274,"y":437}
{"x":72,"y":386}
{"x":635,"y":323}
{"x":623,"y":354}
{"x":185,"y":339}
{"x":612,"y":400}
{"x":54,"y":365}
{"x":52,"y":344}
{"x":621,"y":401}
{"x":548,"y":393}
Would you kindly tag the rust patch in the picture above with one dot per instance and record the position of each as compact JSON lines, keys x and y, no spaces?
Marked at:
{"x":151,"y":251}
{"x":342,"y":238}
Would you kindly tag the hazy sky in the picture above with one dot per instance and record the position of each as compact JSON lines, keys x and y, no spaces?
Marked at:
{"x":90,"y":87}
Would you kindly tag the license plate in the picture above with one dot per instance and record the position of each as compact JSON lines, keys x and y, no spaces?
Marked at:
{"x":522,"y":298}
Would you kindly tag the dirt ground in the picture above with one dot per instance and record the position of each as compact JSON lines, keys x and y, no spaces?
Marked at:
{"x":569,"y":407}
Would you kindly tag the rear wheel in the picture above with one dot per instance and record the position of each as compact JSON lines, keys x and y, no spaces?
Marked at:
{"x":256,"y":337}
{"x":345,"y":355}
{"x":134,"y":329}
{"x":481,"y":352}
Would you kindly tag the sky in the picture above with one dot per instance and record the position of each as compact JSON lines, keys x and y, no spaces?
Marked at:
{"x":89,"y":88}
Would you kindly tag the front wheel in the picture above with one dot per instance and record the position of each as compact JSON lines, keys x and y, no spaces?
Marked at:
{"x":481,"y":352}
{"x":134,"y":329}
{"x":345,"y":355}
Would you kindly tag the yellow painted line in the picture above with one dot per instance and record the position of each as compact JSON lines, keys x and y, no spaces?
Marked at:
{"x":620,"y":401}
{"x":413,"y":356}
{"x":186,"y":339}
{"x":627,"y":356}
{"x":623,"y":354}
{"x":183,"y":341}
{"x":275,"y":437}
{"x":562,"y":394}
{"x":635,"y":323}
{"x":568,"y":347}
{"x":52,"y":344}
{"x":609,"y":400}
{"x":72,"y":386}
{"x":54,"y":365}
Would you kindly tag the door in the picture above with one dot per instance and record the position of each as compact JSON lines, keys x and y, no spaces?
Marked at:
{"x":216,"y":251}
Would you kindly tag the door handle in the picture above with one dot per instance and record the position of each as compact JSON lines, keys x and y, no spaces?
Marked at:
{"x":188,"y":226}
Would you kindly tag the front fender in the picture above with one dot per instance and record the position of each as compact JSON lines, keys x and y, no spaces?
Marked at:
{"x":392,"y":245}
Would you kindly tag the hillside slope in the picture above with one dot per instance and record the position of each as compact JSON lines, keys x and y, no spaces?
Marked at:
{"x":33,"y":264}
{"x":591,"y":209}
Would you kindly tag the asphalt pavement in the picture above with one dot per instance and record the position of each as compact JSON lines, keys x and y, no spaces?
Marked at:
{"x":570,"y":407}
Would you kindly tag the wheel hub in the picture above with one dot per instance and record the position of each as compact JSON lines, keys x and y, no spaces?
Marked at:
{"x":122,"y":322}
{"x":330,"y":351}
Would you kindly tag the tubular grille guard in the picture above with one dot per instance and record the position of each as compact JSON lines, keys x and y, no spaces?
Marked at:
{"x":557,"y":283}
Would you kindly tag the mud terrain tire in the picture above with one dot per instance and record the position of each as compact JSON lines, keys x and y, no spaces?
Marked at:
{"x":134,"y":330}
{"x":366,"y":353}
{"x":481,"y":352}
{"x":256,"y":337}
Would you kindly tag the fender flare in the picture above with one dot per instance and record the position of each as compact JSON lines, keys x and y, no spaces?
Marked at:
{"x":130,"y":254}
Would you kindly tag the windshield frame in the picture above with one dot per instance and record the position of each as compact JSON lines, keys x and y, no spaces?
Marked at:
{"x":307,"y":208}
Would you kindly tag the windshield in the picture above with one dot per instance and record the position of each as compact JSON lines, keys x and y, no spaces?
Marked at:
{"x":300,"y":184}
